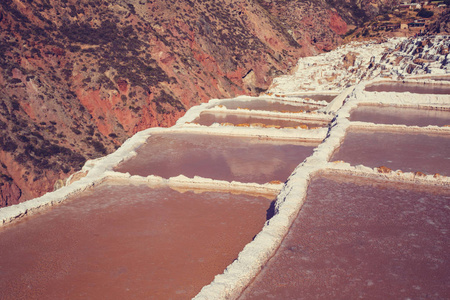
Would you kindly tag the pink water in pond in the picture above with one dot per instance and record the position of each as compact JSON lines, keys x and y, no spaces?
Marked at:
{"x":398,"y":151}
{"x":127,"y":242}
{"x":400,"y":115}
{"x":208,"y":119}
{"x":362,"y":240}
{"x":417,"y":88}
{"x":267,"y":105}
{"x":216,"y":157}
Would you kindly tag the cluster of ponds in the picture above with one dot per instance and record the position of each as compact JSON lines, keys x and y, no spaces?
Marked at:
{"x":140,"y":241}
{"x":243,"y":112}
{"x":353,"y":238}
{"x":365,"y":238}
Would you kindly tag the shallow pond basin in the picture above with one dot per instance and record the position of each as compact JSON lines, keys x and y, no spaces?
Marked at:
{"x":400,"y":115}
{"x":416,"y":88}
{"x":398,"y":151}
{"x":362,"y":239}
{"x":217,"y":157}
{"x":207,"y":119}
{"x":127,"y":242}
{"x":268,"y":105}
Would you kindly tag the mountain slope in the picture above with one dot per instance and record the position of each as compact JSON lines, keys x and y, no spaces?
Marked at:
{"x":78,"y":77}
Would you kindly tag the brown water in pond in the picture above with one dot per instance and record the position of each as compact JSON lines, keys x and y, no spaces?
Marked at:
{"x":362,"y":240}
{"x":417,"y":88}
{"x":127,"y":242}
{"x":267,"y":105}
{"x":400,"y":115}
{"x":442,"y":78}
{"x":398,"y":151}
{"x":208,"y":119}
{"x":327,"y":98}
{"x":217,"y":157}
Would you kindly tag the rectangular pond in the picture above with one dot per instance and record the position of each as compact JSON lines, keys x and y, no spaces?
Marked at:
{"x":403,"y":87}
{"x":208,"y":118}
{"x":409,"y":152}
{"x":127,"y":242}
{"x":438,"y":78}
{"x":217,"y":157}
{"x":400,"y":115}
{"x":319,"y":97}
{"x":362,"y":239}
{"x":268,"y":105}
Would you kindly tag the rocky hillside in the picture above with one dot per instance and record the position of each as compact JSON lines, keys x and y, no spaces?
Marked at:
{"x":442,"y":24}
{"x":78,"y":77}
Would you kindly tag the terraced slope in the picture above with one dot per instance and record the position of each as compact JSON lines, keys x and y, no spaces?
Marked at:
{"x":113,"y":187}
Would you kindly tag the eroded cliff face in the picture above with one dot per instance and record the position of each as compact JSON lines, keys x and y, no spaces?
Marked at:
{"x":78,"y":77}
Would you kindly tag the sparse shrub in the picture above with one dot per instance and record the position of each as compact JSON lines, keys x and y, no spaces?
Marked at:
{"x":15,"y":105}
{"x":7,"y":144}
{"x":38,"y":135}
{"x":75,"y":130}
{"x":98,"y":146}
{"x":423,"y":13}
{"x":90,"y":130}
{"x":23,"y":138}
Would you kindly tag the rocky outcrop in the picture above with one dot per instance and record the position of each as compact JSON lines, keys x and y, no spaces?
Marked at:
{"x":10,"y":193}
{"x":78,"y":77}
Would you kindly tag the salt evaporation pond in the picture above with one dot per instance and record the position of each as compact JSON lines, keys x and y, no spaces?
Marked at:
{"x":267,"y":105}
{"x":319,"y":97}
{"x":362,"y":239}
{"x":439,"y":78}
{"x":217,"y":157}
{"x":400,"y":115}
{"x":207,"y":119}
{"x":403,"y":87}
{"x":396,"y":150}
{"x":127,"y":242}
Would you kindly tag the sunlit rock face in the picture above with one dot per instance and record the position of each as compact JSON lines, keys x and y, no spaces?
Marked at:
{"x":78,"y":77}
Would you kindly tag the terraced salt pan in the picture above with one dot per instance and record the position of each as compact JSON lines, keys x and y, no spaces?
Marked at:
{"x":209,"y":118}
{"x":400,"y":115}
{"x":312,"y":96}
{"x":319,"y":97}
{"x":217,"y":157}
{"x":267,"y":105}
{"x":310,"y":71}
{"x":410,"y":87}
{"x":441,"y":78}
{"x":289,"y":201}
{"x":359,"y":238}
{"x":126,"y":241}
{"x":328,"y":71}
{"x":409,"y":152}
